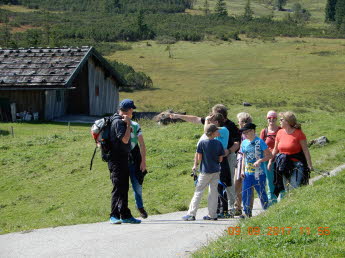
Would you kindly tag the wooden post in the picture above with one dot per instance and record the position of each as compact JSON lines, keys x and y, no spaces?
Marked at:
{"x":12,"y":132}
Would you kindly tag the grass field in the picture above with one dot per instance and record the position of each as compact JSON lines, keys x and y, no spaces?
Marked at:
{"x":45,"y":178}
{"x":17,"y":8}
{"x":317,"y":209}
{"x":284,"y":73}
{"x":236,"y":8}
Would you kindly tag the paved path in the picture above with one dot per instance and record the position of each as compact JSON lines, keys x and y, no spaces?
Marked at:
{"x":158,"y":236}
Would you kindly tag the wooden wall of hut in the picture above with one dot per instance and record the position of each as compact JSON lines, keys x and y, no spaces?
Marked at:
{"x":103,"y":93}
{"x":55,"y":103}
{"x":26,"y":100}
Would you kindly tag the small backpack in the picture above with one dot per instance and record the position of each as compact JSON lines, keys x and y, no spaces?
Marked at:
{"x":100,"y":132}
{"x":273,"y":137}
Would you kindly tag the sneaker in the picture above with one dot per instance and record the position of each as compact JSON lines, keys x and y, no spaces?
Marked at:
{"x":231,"y":214}
{"x":188,"y":218}
{"x":238,"y":213}
{"x":143,"y":213}
{"x":220,"y":216}
{"x":114,"y":220}
{"x":131,"y":220}
{"x":209,"y":218}
{"x":227,"y":215}
{"x":245,"y":216}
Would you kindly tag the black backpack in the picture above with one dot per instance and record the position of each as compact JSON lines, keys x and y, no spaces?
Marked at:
{"x":100,"y":132}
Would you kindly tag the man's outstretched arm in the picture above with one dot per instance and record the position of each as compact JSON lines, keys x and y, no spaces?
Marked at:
{"x":187,"y":118}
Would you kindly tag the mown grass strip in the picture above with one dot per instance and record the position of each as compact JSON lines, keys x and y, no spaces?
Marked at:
{"x":308,"y":223}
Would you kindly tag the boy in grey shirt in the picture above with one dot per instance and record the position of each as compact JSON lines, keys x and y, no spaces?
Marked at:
{"x":210,"y":153}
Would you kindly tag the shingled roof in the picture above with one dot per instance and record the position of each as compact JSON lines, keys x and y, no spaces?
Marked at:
{"x":45,"y":68}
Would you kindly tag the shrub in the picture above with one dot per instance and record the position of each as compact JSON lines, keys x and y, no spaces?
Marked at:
{"x":165,"y":39}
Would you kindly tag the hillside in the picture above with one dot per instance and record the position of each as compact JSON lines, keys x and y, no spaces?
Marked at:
{"x":42,"y":23}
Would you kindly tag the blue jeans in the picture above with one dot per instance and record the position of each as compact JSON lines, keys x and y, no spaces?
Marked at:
{"x":248,"y":182}
{"x":296,"y":176}
{"x":137,"y":188}
{"x":272,"y":198}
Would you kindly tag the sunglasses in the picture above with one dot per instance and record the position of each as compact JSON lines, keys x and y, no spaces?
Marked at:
{"x":246,"y":132}
{"x":281,"y":119}
{"x":271,"y":117}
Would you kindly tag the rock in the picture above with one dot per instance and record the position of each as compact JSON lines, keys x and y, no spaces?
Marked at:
{"x":164,"y":117}
{"x":246,"y":104}
{"x":321,"y":141}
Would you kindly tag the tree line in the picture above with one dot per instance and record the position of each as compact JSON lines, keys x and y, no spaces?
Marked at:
{"x":335,"y":13}
{"x":103,"y":29}
{"x":109,"y":6}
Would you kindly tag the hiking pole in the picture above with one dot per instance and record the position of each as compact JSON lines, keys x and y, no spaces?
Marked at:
{"x":321,"y":172}
{"x":94,"y":153}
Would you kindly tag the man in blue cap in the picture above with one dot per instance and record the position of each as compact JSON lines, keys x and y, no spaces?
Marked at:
{"x":120,"y":133}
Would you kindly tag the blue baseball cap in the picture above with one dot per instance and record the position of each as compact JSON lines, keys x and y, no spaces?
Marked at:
{"x":127,"y":104}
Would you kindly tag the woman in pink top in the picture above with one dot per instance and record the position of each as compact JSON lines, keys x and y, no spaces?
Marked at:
{"x":292,"y":142}
{"x":269,"y":134}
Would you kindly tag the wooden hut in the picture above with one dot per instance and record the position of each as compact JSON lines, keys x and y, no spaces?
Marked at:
{"x":57,"y":81}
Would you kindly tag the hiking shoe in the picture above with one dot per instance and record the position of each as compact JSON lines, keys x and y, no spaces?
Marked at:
{"x":224,"y":215}
{"x":238,"y":213}
{"x":143,"y":213}
{"x":114,"y":220}
{"x":245,"y":216}
{"x":209,"y":218}
{"x":220,"y":216}
{"x":188,"y":218}
{"x":227,"y":215}
{"x":131,"y":220}
{"x":231,"y":214}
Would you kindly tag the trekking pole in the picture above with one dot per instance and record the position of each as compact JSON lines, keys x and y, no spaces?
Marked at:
{"x":94,"y":153}
{"x":12,"y":132}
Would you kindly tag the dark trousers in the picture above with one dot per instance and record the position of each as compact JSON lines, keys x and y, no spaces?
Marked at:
{"x":222,"y":199}
{"x":225,"y":178}
{"x":119,"y":176}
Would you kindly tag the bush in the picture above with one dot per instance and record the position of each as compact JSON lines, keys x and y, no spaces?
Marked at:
{"x":130,"y":78}
{"x":165,"y":40}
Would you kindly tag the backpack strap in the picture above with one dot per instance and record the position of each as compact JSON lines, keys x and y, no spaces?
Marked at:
{"x":265,"y":134}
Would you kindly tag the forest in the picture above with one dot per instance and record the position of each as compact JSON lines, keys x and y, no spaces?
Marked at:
{"x":103,"y":23}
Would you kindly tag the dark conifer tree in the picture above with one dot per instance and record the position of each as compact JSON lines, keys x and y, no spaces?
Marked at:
{"x":340,"y":12}
{"x":248,"y":12}
{"x":280,"y":4}
{"x":220,"y":9}
{"x":330,"y":10}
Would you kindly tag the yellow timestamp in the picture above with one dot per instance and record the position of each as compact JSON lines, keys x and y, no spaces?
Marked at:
{"x":276,"y":231}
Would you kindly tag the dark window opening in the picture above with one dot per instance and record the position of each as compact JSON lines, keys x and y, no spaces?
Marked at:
{"x":97,"y":91}
{"x":58,"y":96}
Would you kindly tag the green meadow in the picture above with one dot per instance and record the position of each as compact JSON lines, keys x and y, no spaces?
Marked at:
{"x":45,"y":177}
{"x":293,"y":73}
{"x":261,"y":8}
